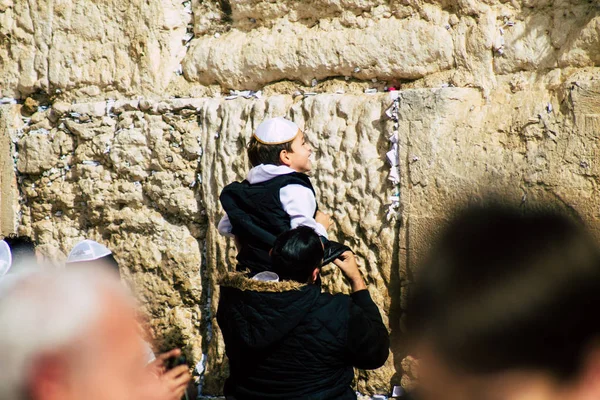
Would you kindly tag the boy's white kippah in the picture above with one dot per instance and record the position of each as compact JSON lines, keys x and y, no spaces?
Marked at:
{"x":276,"y":131}
{"x":5,"y":257}
{"x":87,"y":250}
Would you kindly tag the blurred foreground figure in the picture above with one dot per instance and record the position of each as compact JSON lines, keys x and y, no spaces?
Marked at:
{"x":505,"y":308}
{"x":72,"y":334}
{"x":23,"y":253}
{"x":89,"y":254}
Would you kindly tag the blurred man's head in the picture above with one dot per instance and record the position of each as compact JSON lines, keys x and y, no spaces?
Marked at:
{"x":66,"y":335}
{"x":22,"y":250}
{"x":297,"y":255}
{"x":89,"y":253}
{"x":505,"y":308}
{"x":5,"y":258}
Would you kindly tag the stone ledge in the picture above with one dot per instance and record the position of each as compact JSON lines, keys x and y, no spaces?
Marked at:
{"x":389,"y":49}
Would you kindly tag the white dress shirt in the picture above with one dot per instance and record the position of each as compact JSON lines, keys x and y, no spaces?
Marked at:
{"x":298,"y":201}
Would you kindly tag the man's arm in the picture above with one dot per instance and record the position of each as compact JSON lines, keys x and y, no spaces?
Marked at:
{"x":300,"y":204}
{"x":368,"y":342}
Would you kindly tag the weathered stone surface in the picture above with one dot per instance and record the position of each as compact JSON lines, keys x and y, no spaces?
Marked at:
{"x":125,"y":184}
{"x":495,"y":96}
{"x":148,"y":183}
{"x":430,"y":43}
{"x":90,"y":48}
{"x":9,"y":193}
{"x":410,"y":367}
{"x":386,"y":50}
{"x":539,"y":146}
{"x":74,"y":50}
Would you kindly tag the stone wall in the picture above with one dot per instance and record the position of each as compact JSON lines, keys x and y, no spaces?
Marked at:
{"x":9,"y":194}
{"x":121,"y":131}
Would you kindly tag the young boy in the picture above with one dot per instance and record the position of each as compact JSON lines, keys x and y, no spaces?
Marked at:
{"x":276,"y":196}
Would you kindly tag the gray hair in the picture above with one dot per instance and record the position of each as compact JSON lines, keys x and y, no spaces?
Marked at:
{"x":42,"y":311}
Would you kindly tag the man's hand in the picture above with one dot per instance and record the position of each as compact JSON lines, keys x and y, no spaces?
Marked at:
{"x":158,"y":366}
{"x":176,"y":381}
{"x":323,"y":219}
{"x":166,"y":384}
{"x":347,"y":263}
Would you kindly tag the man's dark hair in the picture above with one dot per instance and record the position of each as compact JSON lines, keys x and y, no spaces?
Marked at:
{"x":260,"y":153}
{"x":296,"y":253}
{"x":107,"y":261}
{"x":22,"y":248}
{"x":508,"y":289}
{"x":110,"y":262}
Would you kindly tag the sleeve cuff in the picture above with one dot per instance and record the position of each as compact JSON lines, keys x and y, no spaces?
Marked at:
{"x":362,"y":297}
{"x":320,"y":229}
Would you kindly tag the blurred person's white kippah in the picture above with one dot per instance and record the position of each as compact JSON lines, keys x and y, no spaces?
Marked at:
{"x":87,"y":250}
{"x":5,"y":258}
{"x":276,"y":131}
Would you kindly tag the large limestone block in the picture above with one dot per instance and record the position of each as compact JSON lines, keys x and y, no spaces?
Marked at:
{"x":387,"y":49}
{"x":349,"y":137}
{"x":564,"y":35}
{"x":40,"y":149}
{"x":528,"y":146}
{"x":88,"y":47}
{"x":125,"y":181}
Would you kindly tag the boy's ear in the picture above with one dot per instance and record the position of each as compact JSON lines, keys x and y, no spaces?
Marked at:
{"x":284,"y":157}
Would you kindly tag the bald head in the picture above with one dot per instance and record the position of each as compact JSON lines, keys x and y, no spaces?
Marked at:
{"x":67,"y":334}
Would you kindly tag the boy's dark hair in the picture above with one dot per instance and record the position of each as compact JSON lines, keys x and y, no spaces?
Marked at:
{"x":260,"y":153}
{"x":22,"y":248}
{"x":296,"y":253}
{"x":506,"y":289}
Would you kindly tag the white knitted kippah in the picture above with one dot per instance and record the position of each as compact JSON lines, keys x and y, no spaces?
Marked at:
{"x":87,"y":250}
{"x":276,"y":131}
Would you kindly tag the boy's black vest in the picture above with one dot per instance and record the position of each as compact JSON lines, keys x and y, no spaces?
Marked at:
{"x":257,"y":217}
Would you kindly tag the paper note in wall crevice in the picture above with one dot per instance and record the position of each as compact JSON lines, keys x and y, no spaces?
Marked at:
{"x":392,"y":155}
{"x":394,"y":175}
{"x":398,"y":391}
{"x":391,"y":112}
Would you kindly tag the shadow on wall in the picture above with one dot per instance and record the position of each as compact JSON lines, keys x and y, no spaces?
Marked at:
{"x":541,"y":46}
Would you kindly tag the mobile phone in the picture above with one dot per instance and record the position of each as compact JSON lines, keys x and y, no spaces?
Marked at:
{"x":175,"y":362}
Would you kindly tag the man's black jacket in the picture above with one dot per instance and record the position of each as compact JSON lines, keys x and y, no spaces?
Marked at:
{"x":290,"y":341}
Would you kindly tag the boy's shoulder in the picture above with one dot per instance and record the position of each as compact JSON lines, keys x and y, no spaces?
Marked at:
{"x":293,"y":178}
{"x":279,"y":180}
{"x":299,"y":176}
